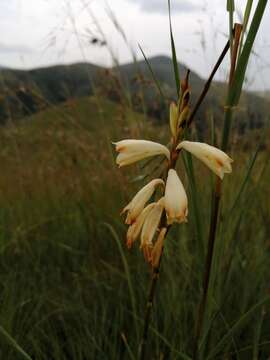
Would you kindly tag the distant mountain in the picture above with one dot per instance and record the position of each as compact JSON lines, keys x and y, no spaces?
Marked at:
{"x":55,"y":83}
{"x":26,"y":92}
{"x":162,"y":66}
{"x":264,"y":94}
{"x":252,"y":112}
{"x":23,"y":92}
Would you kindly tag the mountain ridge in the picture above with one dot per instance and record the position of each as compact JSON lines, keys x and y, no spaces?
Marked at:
{"x":23,"y":92}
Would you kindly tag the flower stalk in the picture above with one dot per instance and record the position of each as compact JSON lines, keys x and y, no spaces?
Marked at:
{"x":173,"y":207}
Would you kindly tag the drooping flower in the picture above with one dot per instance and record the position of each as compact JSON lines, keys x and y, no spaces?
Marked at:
{"x":135,"y":229}
{"x":150,"y":227}
{"x":176,"y":204}
{"x":131,"y":151}
{"x":135,"y":207}
{"x":218,"y":161}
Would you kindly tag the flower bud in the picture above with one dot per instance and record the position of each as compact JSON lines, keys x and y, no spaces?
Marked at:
{"x":173,"y":119}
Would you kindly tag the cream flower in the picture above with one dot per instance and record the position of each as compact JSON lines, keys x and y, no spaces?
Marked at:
{"x":135,"y":207}
{"x":135,"y":229}
{"x":131,"y":151}
{"x":215,"y":159}
{"x":150,"y":227}
{"x":176,"y":204}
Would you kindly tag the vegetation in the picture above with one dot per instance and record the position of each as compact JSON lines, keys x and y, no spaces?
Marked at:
{"x":69,"y":288}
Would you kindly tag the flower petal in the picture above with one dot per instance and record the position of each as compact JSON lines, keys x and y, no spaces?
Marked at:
{"x":131,"y":151}
{"x":135,"y":229}
{"x":135,"y":207}
{"x":151,"y":223}
{"x":176,"y":203}
{"x":218,"y":161}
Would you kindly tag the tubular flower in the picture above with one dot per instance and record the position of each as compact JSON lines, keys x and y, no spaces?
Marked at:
{"x":150,"y":227}
{"x":131,"y":151}
{"x":135,"y":229}
{"x":135,"y":207}
{"x":215,"y":159}
{"x":176,"y":204}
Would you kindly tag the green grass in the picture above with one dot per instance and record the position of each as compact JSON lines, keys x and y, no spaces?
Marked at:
{"x":69,"y":287}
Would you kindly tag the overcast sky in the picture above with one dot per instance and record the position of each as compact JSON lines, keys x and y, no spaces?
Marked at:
{"x":44,"y":32}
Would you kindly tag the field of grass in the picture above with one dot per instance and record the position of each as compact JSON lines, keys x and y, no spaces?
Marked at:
{"x":69,"y":288}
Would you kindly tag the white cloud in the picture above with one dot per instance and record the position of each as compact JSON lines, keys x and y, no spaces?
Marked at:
{"x":14,"y":49}
{"x":161,"y":6}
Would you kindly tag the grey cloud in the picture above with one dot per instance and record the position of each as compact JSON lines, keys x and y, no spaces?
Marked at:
{"x":161,"y":6}
{"x":14,"y":49}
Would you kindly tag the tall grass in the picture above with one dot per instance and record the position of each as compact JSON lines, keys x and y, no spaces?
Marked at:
{"x":69,"y":286}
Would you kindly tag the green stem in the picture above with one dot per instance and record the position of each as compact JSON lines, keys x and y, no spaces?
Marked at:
{"x":207,"y":85}
{"x":208,"y":265}
{"x":214,"y":221}
{"x":149,"y":305}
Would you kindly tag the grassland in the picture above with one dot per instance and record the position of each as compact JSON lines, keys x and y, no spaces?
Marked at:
{"x":69,"y":287}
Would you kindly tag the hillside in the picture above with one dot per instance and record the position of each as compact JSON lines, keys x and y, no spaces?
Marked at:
{"x":67,"y":280}
{"x":26,"y":92}
{"x":163,"y":69}
{"x":252,"y":112}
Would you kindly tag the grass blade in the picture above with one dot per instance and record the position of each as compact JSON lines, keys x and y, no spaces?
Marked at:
{"x":174,"y":57}
{"x":194,"y":198}
{"x":14,"y":344}
{"x":130,"y":353}
{"x":127,"y":271}
{"x":153,"y":74}
{"x":246,"y":178}
{"x":237,"y":326}
{"x":245,"y":21}
{"x":238,"y":80}
{"x":257,"y":334}
{"x":230,"y":9}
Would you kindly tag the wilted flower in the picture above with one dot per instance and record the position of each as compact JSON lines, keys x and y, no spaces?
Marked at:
{"x":176,"y":204}
{"x":135,"y":207}
{"x":135,"y":229}
{"x":150,"y":227}
{"x":131,"y":151}
{"x":214,"y":158}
